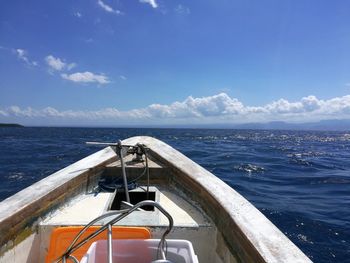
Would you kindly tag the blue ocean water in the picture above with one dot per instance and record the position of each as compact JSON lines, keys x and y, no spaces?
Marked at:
{"x":299,"y":179}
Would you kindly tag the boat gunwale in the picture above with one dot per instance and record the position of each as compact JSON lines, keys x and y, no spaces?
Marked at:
{"x":247,"y":232}
{"x":20,"y":212}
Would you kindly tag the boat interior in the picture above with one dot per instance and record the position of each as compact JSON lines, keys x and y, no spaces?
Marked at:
{"x":137,"y":203}
{"x":189,"y":221}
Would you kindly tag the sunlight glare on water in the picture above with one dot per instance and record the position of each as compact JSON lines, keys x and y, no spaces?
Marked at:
{"x":299,"y":180}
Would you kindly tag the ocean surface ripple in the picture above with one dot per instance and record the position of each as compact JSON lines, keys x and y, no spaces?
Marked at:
{"x":299,"y":180}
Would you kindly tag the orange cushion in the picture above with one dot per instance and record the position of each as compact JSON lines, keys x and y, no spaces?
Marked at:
{"x":62,"y":237}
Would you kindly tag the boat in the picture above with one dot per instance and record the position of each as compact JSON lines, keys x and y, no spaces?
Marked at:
{"x":137,"y":200}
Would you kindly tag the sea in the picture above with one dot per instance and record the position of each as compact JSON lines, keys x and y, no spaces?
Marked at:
{"x":300,"y":180}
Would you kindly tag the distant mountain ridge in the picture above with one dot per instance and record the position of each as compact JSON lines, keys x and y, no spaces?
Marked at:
{"x":330,"y":125}
{"x":10,"y":125}
{"x":324,"y":125}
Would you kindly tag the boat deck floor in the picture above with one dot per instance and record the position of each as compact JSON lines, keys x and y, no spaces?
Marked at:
{"x":84,"y":208}
{"x":190,"y":222}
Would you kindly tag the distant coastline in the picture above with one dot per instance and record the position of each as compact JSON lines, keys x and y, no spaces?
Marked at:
{"x":323,"y":125}
{"x":10,"y":125}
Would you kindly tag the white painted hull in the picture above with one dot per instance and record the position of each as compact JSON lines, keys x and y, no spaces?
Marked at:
{"x":222,"y":225}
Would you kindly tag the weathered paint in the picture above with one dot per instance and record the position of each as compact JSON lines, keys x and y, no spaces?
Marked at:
{"x":22,"y":210}
{"x":190,"y":222}
{"x":246,"y":231}
{"x":241,"y":233}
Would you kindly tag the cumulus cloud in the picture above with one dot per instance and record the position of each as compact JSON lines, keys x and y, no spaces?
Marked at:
{"x":108,"y":8}
{"x":55,"y":63}
{"x":212,"y":109}
{"x":58,"y":64}
{"x":153,"y":3}
{"x":86,"y":77}
{"x":217,"y":105}
{"x":23,"y":55}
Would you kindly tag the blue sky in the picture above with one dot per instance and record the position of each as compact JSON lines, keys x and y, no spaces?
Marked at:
{"x":111,"y":62}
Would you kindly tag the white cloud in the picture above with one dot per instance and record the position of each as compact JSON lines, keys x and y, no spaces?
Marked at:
{"x":55,"y":63}
{"x":122,"y":77}
{"x":23,"y":55}
{"x":211,"y":109}
{"x":3,"y":113}
{"x":108,"y":8}
{"x":86,"y":77}
{"x":58,"y":64}
{"x":78,"y":14}
{"x":217,"y":105}
{"x":311,"y":103}
{"x":153,"y":3}
{"x":182,"y":10}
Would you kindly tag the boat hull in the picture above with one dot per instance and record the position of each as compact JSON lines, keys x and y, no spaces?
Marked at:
{"x":241,"y":233}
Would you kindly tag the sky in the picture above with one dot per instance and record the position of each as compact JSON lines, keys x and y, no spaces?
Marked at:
{"x":169,"y":62}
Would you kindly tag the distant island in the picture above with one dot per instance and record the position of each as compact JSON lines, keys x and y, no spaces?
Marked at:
{"x":10,"y":125}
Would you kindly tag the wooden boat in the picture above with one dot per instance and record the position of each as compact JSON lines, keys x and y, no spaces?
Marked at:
{"x":220,"y":224}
